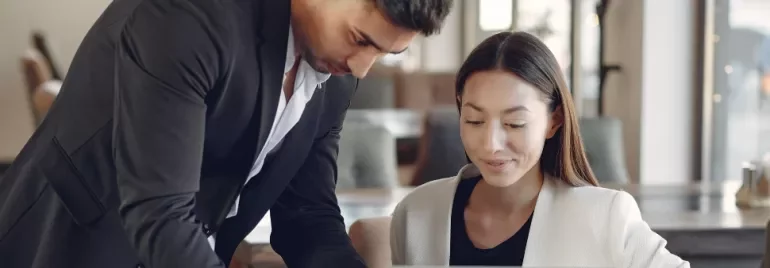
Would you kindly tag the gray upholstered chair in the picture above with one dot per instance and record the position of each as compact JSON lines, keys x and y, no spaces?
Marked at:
{"x":374,"y":92}
{"x":603,"y":142}
{"x":441,"y":151}
{"x":367,"y":157}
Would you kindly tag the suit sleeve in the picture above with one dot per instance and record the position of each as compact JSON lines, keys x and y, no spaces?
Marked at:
{"x":308,"y":229}
{"x":632,"y":241}
{"x":167,"y":58}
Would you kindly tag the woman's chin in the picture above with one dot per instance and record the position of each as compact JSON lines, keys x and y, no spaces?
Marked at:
{"x":500,"y":179}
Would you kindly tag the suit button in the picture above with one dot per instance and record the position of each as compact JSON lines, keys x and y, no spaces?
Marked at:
{"x":207,"y":230}
{"x":139,"y":266}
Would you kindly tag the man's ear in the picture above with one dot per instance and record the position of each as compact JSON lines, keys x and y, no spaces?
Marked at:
{"x":557,"y":120}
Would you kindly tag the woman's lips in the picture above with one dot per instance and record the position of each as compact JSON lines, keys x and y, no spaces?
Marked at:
{"x":497,"y":165}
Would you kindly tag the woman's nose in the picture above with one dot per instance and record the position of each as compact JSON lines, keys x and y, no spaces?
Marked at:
{"x":494,"y":138}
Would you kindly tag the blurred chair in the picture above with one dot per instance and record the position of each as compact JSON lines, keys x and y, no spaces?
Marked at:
{"x":603,"y":142}
{"x":367,"y":157}
{"x":374,"y":92}
{"x":43,"y":98}
{"x":441,"y":152}
{"x":41,"y":91}
{"x":40,"y":43}
{"x":371,"y":239}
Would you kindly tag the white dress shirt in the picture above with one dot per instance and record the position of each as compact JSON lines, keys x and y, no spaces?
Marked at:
{"x":288,"y":113}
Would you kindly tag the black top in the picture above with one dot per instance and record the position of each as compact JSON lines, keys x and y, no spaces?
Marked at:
{"x":463,"y":252}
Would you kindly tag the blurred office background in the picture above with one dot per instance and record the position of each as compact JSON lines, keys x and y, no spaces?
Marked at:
{"x":670,"y":95}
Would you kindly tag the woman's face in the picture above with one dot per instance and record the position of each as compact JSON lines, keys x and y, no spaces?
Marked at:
{"x":504,"y":124}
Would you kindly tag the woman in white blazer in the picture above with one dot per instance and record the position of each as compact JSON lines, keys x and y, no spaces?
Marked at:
{"x":528,"y":198}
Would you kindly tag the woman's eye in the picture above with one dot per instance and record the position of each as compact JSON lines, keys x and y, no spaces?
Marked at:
{"x":473,"y":122}
{"x":517,"y":125}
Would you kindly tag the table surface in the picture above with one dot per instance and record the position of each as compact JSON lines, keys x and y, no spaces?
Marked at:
{"x":692,"y":207}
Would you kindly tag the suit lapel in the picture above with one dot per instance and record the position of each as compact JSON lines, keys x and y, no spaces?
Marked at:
{"x":444,"y":228}
{"x":439,"y":219}
{"x":270,"y":183}
{"x":274,"y":33}
{"x":272,"y":20}
{"x":537,"y":242}
{"x":271,"y":47}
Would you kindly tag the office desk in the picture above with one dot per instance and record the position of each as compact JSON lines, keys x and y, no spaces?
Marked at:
{"x":699,"y":221}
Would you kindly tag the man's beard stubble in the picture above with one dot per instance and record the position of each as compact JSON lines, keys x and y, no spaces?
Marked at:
{"x":301,"y":44}
{"x":308,"y":56}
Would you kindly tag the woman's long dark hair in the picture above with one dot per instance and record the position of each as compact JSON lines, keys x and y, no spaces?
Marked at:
{"x":528,"y":58}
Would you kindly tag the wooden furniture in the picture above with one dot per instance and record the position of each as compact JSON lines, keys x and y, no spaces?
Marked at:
{"x":42,"y":78}
{"x":413,"y":90}
{"x":36,"y":72}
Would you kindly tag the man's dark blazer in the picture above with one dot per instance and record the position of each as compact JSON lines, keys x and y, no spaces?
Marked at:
{"x":153,"y":135}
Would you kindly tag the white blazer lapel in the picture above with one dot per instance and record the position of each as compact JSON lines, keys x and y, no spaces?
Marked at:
{"x":429,"y":224}
{"x":442,"y":212}
{"x":442,"y":228}
{"x":537,"y":240}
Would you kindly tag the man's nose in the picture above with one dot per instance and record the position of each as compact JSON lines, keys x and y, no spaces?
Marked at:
{"x":361,"y":64}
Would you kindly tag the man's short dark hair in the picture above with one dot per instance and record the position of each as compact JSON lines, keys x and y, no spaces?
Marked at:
{"x":424,"y":16}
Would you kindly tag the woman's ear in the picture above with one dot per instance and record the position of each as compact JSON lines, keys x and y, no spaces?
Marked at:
{"x":557,"y":120}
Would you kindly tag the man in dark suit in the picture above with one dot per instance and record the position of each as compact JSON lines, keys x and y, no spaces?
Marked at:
{"x":181,"y":122}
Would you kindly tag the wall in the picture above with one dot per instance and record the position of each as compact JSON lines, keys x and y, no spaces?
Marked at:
{"x":654,"y":42}
{"x":64,"y":23}
{"x":668,"y":116}
{"x":443,"y":52}
{"x":623,"y":37}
